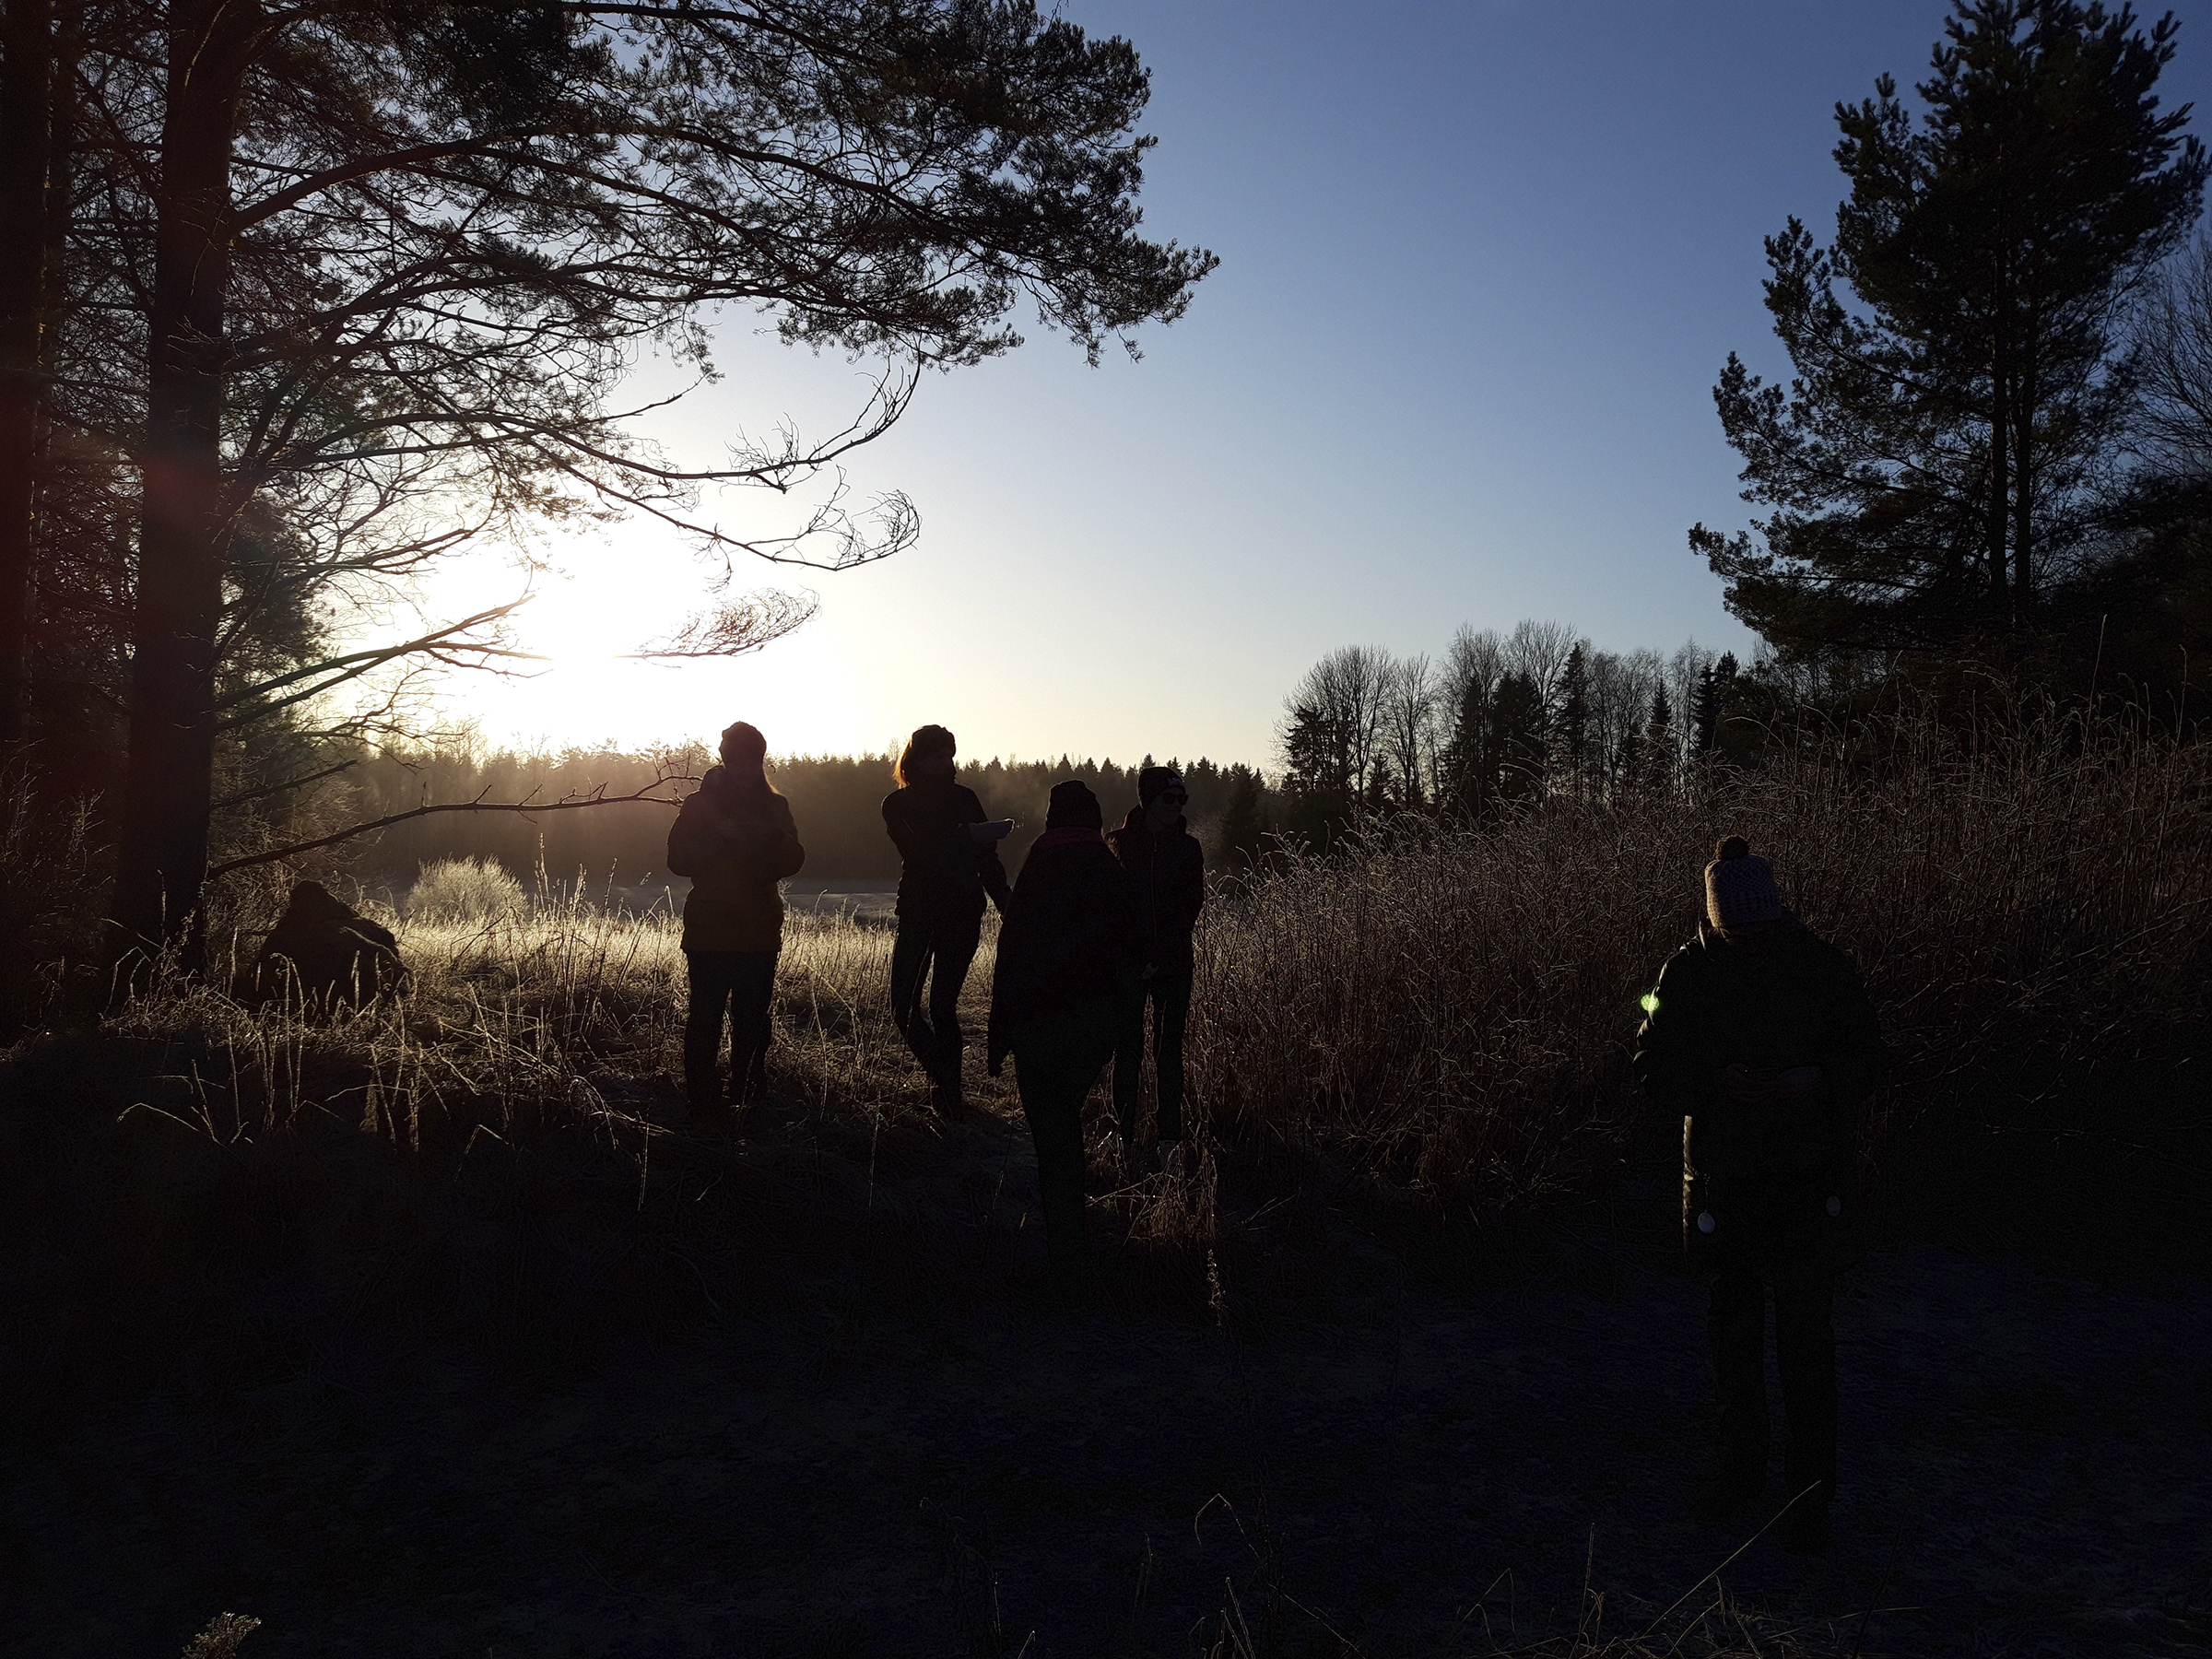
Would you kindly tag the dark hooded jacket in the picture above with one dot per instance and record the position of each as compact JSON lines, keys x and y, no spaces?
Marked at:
{"x":1167,"y":873}
{"x":1800,"y":1004}
{"x":945,"y":871}
{"x":1067,"y":938}
{"x":736,"y":848}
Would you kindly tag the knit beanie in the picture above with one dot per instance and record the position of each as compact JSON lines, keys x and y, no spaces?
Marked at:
{"x":1156,"y":781}
{"x":1073,"y":806}
{"x":1739,"y":887}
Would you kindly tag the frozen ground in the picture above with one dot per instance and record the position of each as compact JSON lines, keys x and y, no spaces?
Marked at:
{"x":2024,"y":1472}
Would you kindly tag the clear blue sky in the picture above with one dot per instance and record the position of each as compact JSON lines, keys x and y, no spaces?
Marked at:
{"x":1480,"y":264}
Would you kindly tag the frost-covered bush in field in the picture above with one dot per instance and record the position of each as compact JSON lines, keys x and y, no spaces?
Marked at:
{"x":463,"y":889}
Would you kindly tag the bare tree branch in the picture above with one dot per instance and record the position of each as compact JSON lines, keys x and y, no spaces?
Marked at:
{"x":442,"y":643}
{"x":567,"y":804}
{"x":269,"y":789}
{"x":734,"y":627}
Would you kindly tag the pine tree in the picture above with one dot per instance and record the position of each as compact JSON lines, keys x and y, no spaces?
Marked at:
{"x":411,"y":247}
{"x":1933,"y":467}
{"x":1244,"y":827}
{"x":1574,"y":720}
{"x":1660,"y":748}
{"x":1470,"y":781}
{"x":1516,"y":748}
{"x":1714,"y":682}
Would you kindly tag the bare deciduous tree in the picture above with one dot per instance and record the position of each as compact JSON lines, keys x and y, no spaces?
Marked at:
{"x":1413,"y":730}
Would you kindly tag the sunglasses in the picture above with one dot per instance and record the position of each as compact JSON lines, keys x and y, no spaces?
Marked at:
{"x":1173,"y":798}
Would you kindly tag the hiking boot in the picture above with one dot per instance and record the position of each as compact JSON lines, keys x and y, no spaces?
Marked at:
{"x":1724,"y":1490}
{"x":949,"y":1100}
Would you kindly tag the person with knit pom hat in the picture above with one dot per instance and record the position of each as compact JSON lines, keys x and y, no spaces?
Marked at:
{"x":1166,"y":869}
{"x":1064,"y":955}
{"x":1760,"y":1035}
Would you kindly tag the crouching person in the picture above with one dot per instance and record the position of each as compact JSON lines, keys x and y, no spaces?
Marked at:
{"x":1064,"y":958}
{"x":1761,"y":1036}
{"x":735,"y":840}
{"x":324,"y":956}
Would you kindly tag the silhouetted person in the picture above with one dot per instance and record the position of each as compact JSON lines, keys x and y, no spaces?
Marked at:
{"x":1167,"y":870}
{"x":949,"y":854}
{"x":324,"y":954}
{"x":1761,"y":1036}
{"x":735,"y":838}
{"x":1063,"y":961}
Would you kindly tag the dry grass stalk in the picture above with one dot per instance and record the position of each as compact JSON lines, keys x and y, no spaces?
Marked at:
{"x":1452,"y":1009}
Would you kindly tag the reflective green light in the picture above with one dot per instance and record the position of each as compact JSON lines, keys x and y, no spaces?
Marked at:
{"x":1650,"y":1004}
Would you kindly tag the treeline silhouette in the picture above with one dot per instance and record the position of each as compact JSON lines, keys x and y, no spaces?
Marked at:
{"x":837,"y":800}
{"x":1503,"y":720}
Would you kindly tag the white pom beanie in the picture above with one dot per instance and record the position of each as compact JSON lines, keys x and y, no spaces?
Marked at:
{"x":1739,"y":887}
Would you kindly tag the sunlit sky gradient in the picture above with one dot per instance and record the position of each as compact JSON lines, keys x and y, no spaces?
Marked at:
{"x":1481,"y":263}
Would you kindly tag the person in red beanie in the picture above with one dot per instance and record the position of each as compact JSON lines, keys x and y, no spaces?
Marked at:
{"x":1760,"y":1035}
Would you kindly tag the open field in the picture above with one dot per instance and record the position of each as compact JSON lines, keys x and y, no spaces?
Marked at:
{"x":428,"y":1330}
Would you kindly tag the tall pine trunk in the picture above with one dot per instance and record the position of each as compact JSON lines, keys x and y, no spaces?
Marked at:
{"x":2023,"y":496}
{"x":162,"y":855}
{"x":26,"y":144}
{"x":1996,"y":531}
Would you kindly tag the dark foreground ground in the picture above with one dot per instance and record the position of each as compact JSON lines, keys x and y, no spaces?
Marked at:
{"x":2026,"y":1470}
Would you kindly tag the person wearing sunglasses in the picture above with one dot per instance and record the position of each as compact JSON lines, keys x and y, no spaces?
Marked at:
{"x":1167,"y":870}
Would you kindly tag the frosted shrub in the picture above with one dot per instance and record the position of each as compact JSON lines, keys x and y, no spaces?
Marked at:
{"x":463,"y":889}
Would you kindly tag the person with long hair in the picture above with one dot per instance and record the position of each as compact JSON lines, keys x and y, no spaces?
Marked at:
{"x":949,"y":864}
{"x":737,"y":841}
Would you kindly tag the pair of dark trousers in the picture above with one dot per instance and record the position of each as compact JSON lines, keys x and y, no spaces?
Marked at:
{"x":739,"y":985}
{"x":1805,"y":1354}
{"x":931,"y":960}
{"x":1055,"y":1062}
{"x":1169,"y":997}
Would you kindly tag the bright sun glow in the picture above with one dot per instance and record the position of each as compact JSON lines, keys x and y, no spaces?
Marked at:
{"x":615,"y":593}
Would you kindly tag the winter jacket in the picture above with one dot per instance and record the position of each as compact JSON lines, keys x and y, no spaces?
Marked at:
{"x":736,"y":850}
{"x":1800,"y":1004}
{"x":1167,"y":874}
{"x":1066,"y":940}
{"x":945,"y":871}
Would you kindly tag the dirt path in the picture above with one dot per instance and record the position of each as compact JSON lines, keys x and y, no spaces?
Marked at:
{"x":2024,"y":1472}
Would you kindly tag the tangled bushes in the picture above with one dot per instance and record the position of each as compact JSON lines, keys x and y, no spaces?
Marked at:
{"x":463,"y":889}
